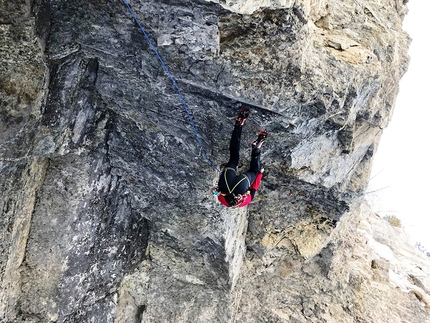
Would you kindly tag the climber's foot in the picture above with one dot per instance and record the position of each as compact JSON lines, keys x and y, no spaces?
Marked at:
{"x":241,"y":118}
{"x":262,"y":134}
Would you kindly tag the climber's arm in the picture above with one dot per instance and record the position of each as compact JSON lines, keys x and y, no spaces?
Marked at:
{"x":254,"y":187}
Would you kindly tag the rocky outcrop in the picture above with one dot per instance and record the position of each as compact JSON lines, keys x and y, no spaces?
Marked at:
{"x":106,"y":215}
{"x":363,"y":274}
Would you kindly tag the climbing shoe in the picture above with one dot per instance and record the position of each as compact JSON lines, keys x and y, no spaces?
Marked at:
{"x":262,"y":134}
{"x":241,"y":118}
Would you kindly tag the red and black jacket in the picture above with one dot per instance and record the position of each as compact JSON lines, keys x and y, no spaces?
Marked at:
{"x":245,"y":198}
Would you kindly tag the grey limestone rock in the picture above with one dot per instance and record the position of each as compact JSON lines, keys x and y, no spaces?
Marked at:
{"x":105,"y":210}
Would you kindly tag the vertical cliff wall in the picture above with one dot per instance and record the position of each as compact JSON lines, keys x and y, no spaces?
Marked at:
{"x":105,"y":211}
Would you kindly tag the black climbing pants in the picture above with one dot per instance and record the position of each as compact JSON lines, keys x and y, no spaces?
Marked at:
{"x":230,"y":181}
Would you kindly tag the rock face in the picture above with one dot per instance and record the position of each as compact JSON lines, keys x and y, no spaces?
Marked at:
{"x":105,"y":211}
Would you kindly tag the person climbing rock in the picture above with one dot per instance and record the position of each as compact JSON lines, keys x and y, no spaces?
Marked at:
{"x":238,"y":190}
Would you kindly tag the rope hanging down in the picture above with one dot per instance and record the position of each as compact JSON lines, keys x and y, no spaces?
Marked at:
{"x":175,"y":85}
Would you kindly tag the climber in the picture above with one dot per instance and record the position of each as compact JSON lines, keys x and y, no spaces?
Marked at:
{"x":235,"y":190}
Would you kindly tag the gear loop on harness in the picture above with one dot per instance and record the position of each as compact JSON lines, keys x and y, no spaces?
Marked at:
{"x":174,"y":84}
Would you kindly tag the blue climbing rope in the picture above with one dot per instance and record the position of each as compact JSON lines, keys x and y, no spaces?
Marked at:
{"x":175,"y":85}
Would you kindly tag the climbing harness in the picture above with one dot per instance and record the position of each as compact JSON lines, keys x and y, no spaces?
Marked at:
{"x":226,"y":181}
{"x":232,"y":199}
{"x":174,"y":84}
